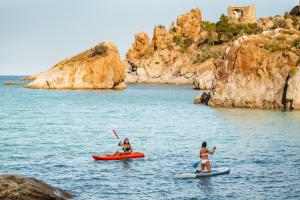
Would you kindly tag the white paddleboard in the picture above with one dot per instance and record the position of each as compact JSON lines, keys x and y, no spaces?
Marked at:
{"x":214,"y":172}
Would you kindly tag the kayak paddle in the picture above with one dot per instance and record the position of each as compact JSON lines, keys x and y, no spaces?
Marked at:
{"x":116,"y":134}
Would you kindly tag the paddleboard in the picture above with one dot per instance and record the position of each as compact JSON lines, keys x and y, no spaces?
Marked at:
{"x":214,"y":172}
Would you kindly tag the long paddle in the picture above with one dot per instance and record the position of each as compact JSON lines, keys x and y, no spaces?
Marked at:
{"x":116,"y":135}
{"x":196,"y":164}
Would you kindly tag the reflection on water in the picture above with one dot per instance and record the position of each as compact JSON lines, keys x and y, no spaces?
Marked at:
{"x":127,"y":163}
{"x":205,"y":185}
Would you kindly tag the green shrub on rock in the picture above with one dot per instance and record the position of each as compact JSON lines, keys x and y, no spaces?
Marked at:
{"x":99,"y":50}
{"x":298,"y":61}
{"x":233,"y":31}
{"x":296,"y":43}
{"x":272,"y":47}
{"x":183,"y":42}
{"x":204,"y":56}
{"x":211,"y":28}
{"x":293,"y":71}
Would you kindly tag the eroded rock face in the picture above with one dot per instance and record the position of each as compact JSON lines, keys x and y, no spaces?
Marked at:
{"x":204,"y":79}
{"x":169,"y":58}
{"x":97,"y":68}
{"x":139,"y":47}
{"x":254,"y":71}
{"x":189,"y":24}
{"x":14,"y":187}
{"x":161,"y":38}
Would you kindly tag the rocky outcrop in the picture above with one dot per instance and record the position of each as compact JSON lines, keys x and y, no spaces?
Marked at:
{"x":13,"y":83}
{"x":32,"y":77}
{"x":189,"y":24}
{"x":287,"y":22}
{"x":290,"y":20}
{"x":139,"y":47}
{"x":204,"y":79}
{"x":203,"y":97}
{"x":169,"y":57}
{"x":14,"y":187}
{"x":97,"y":68}
{"x":254,"y":70}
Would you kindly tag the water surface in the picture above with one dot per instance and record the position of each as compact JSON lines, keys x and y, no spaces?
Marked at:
{"x":51,"y":135}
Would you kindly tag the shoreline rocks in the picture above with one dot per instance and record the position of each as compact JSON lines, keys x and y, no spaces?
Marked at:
{"x":13,"y":83}
{"x":97,"y":68}
{"x":242,"y":63}
{"x":254,"y":69}
{"x":31,"y":78}
{"x":15,"y":187}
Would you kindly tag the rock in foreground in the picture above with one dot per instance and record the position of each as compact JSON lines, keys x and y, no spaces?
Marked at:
{"x":13,"y":187}
{"x":97,"y":68}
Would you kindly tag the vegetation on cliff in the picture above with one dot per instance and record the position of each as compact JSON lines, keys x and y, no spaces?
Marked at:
{"x":100,"y":49}
{"x":226,"y":31}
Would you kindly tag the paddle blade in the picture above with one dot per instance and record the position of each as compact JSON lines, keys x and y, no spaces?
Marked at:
{"x":115,"y":133}
{"x":195,"y":165}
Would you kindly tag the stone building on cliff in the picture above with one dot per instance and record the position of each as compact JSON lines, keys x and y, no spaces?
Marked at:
{"x":241,"y":14}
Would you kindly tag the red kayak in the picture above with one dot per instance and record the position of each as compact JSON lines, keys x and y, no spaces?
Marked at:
{"x":119,"y":157}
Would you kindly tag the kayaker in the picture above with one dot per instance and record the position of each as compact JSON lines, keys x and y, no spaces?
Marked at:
{"x":205,"y":164}
{"x":126,"y":147}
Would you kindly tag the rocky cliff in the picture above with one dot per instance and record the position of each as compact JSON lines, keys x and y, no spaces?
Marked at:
{"x":13,"y":187}
{"x":259,"y":71}
{"x":169,"y":56}
{"x":97,"y":68}
{"x":184,"y":53}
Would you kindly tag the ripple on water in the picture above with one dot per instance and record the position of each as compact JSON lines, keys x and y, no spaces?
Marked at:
{"x":51,"y":135}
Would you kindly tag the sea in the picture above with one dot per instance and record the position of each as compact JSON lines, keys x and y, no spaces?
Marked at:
{"x":51,"y":135}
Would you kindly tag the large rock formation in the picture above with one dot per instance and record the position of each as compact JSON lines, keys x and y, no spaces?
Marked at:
{"x":169,"y":57}
{"x":204,"y":79}
{"x":97,"y":68}
{"x":253,"y":72}
{"x":189,"y":24}
{"x":13,"y":187}
{"x":241,"y":14}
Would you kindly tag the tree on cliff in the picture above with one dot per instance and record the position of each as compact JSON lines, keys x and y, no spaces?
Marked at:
{"x":211,"y":31}
{"x":228,"y":31}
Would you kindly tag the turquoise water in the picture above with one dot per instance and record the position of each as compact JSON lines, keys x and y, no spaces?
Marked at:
{"x":51,"y":135}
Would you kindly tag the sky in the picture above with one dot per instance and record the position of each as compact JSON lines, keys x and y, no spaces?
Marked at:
{"x":36,"y":34}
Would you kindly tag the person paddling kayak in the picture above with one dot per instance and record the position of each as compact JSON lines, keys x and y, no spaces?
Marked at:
{"x":126,"y":147}
{"x":204,"y":152}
